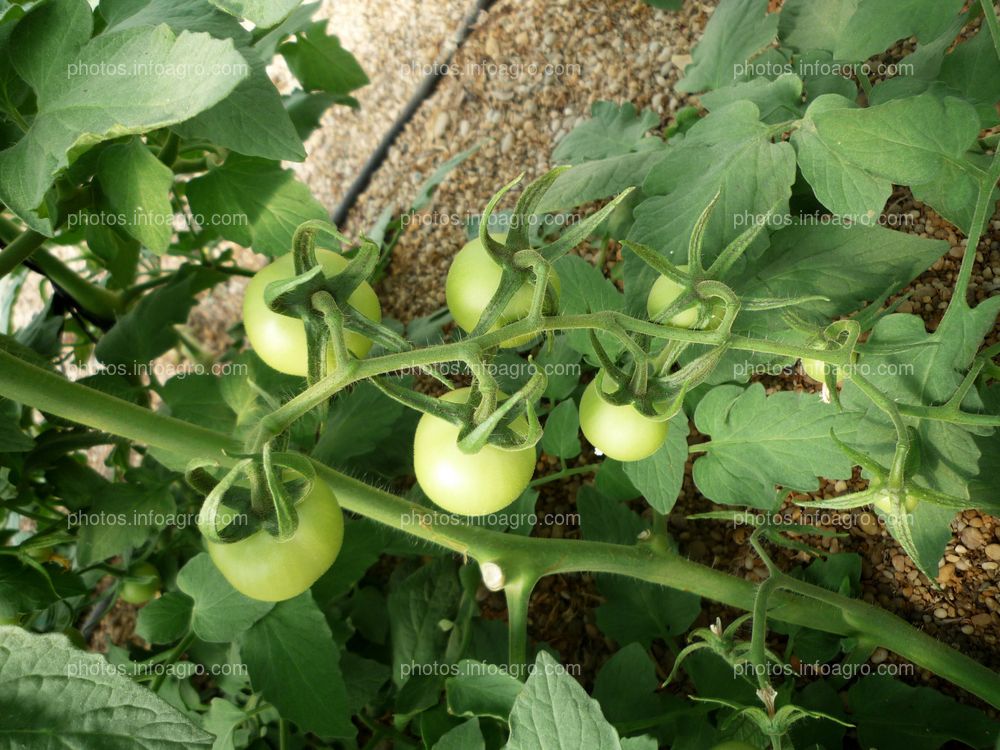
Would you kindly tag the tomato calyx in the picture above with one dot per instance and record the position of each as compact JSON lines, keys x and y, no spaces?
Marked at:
{"x":258,"y":493}
{"x":482,"y":418}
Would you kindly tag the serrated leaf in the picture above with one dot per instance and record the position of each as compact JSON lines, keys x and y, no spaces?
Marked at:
{"x":137,"y":185}
{"x":562,"y":427}
{"x":146,"y":331}
{"x":220,"y":612}
{"x":659,"y":476}
{"x":554,"y":713}
{"x":760,"y":441}
{"x":166,"y":619}
{"x":605,"y":520}
{"x":294,"y":662}
{"x":121,"y":520}
{"x":737,"y":31}
{"x":480,"y":689}
{"x":612,"y":130}
{"x":876,"y":25}
{"x":883,"y":710}
{"x":320,"y":63}
{"x":417,"y":605}
{"x":263,"y":13}
{"x":778,"y":100}
{"x":806,"y":25}
{"x":729,"y":153}
{"x":626,"y":686}
{"x":265,"y":202}
{"x":637,"y":611}
{"x":593,"y":180}
{"x":68,"y":120}
{"x":848,"y":264}
{"x":852,"y":156}
{"x":59,"y":696}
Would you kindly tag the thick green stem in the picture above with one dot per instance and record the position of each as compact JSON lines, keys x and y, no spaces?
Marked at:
{"x":19,"y":250}
{"x":812,"y":606}
{"x":100,"y":302}
{"x":990,"y":19}
{"x":518,"y":595}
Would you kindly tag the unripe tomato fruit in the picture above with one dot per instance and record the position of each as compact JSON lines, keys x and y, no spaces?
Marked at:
{"x":280,"y":340}
{"x":619,"y":432}
{"x":665,"y":290}
{"x":472,"y":281}
{"x":884,"y":503}
{"x":264,"y":568}
{"x":815,"y":369}
{"x":468,"y":484}
{"x":141,"y":585}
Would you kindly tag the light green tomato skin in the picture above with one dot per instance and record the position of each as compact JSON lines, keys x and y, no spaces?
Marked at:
{"x":468,"y":484}
{"x":280,"y":340}
{"x":665,"y":290}
{"x":472,"y":281}
{"x":266,"y":569}
{"x":816,"y":368}
{"x":139,"y":593}
{"x":884,"y":504}
{"x":619,"y":432}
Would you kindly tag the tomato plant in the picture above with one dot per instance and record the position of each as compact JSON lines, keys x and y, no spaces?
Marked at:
{"x":344,"y":530}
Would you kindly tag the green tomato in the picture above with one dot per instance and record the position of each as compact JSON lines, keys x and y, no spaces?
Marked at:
{"x":884,"y":503}
{"x":816,"y":369}
{"x":280,"y":340}
{"x":264,"y":568}
{"x":619,"y":432}
{"x":665,"y":290}
{"x":473,"y":279}
{"x":468,"y":484}
{"x":141,"y":585}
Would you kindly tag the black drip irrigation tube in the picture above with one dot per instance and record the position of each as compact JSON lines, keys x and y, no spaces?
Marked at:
{"x":423,"y":92}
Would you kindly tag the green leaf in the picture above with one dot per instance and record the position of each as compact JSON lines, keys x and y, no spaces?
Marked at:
{"x":252,"y":120}
{"x":466,"y":736}
{"x":179,"y":15}
{"x":481,"y":689}
{"x":585,"y":289}
{"x":612,"y":130}
{"x":220,"y":612}
{"x":562,"y":427}
{"x":737,"y":31}
{"x":973,"y":70}
{"x":146,"y":331}
{"x":417,"y":605}
{"x":223,"y":720}
{"x":659,"y":476}
{"x":626,"y":686}
{"x":263,"y":13}
{"x":12,"y":440}
{"x":65,"y":697}
{"x":884,"y":710}
{"x":197,"y":399}
{"x":637,"y":611}
{"x":263,"y":203}
{"x":805,"y":25}
{"x":77,"y":110}
{"x":137,"y":185}
{"x":361,"y":421}
{"x":23,"y":588}
{"x":320,"y":63}
{"x":603,"y":519}
{"x":852,"y":156}
{"x":848,"y":264}
{"x":121,"y":519}
{"x":603,"y":178}
{"x":760,"y":441}
{"x":729,"y":153}
{"x":360,"y":550}
{"x":877,"y":25}
{"x":363,"y":679}
{"x":294,"y":663}
{"x":778,"y":100}
{"x":166,"y":619}
{"x":561,"y":365}
{"x":554,"y":713}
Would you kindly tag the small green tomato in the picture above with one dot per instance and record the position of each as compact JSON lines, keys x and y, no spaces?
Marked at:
{"x":619,"y":432}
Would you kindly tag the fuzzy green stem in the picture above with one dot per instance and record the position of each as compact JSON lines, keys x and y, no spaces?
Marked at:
{"x":19,"y":250}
